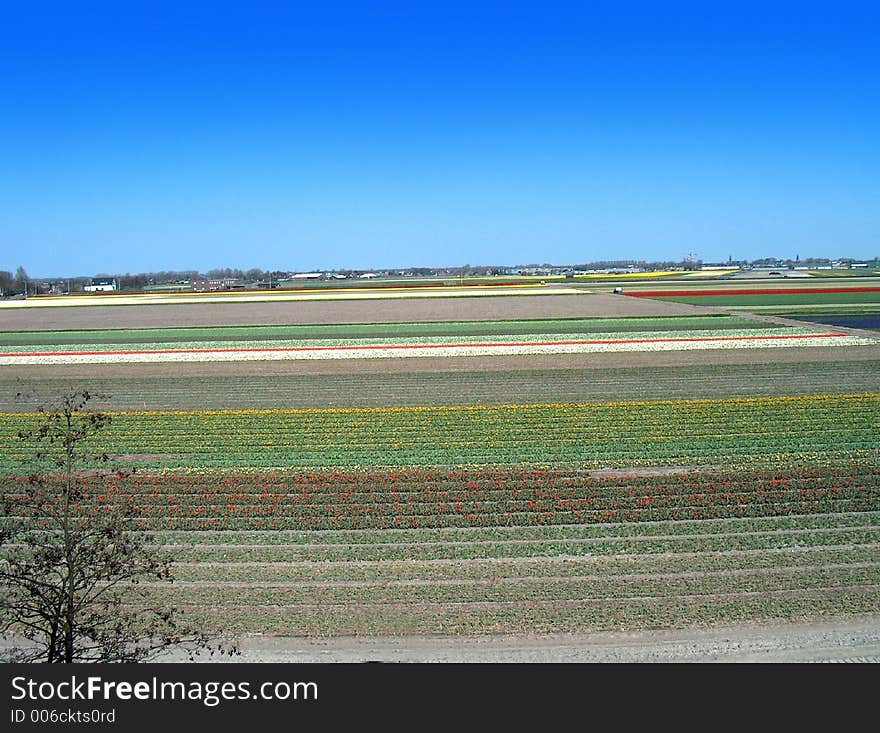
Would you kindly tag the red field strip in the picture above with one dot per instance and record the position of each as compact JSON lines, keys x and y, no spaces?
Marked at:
{"x":768,"y":291}
{"x":431,"y":346}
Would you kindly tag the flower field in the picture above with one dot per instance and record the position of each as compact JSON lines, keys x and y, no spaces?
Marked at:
{"x":54,"y":340}
{"x":374,"y":341}
{"x":375,"y":386}
{"x":684,"y":432}
{"x":480,"y":497}
{"x":493,"y":550}
{"x":496,"y":519}
{"x":447,"y":499}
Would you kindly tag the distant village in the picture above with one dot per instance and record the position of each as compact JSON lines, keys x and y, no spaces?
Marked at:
{"x":20,"y":285}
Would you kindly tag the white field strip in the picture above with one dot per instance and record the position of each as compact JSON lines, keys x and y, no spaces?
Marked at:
{"x":397,"y":342}
{"x":705,"y":274}
{"x":431,"y":351}
{"x":66,"y":301}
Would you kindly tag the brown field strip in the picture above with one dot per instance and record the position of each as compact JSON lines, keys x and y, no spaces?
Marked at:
{"x":502,"y":307}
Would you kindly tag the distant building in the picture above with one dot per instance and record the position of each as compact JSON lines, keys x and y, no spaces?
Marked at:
{"x":211,"y":284}
{"x":101,"y":285}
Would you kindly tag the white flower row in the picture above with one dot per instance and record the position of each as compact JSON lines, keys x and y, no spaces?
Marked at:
{"x":452,"y":340}
{"x":438,"y":351}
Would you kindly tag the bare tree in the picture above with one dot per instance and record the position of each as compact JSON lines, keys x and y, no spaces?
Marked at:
{"x":72,"y":557}
{"x":21,"y":280}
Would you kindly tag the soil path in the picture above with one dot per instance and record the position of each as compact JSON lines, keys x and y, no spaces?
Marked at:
{"x":846,"y":640}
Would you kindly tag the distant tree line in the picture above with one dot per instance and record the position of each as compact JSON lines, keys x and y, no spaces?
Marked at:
{"x":20,"y":283}
{"x":14,"y":284}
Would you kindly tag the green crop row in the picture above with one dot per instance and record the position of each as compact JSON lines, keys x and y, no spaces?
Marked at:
{"x":492,"y":570}
{"x":377,"y":330}
{"x":549,"y":617}
{"x":531,"y":533}
{"x":513,"y":590}
{"x":550,"y":548}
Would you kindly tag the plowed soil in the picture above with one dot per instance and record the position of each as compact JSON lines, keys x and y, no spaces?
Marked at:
{"x":588,"y":305}
{"x":850,"y":640}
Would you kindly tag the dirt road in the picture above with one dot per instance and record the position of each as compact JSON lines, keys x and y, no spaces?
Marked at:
{"x":849,"y":640}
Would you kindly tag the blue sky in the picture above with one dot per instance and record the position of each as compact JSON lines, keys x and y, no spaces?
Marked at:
{"x":140,"y":137}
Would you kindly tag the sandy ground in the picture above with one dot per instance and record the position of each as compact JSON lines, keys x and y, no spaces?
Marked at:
{"x":852,"y":640}
{"x":847,"y":640}
{"x":593,"y":305}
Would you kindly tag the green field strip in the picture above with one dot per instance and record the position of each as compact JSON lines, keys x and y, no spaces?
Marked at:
{"x":547,"y":491}
{"x":577,"y":539}
{"x":523,"y":589}
{"x":720,"y":432}
{"x":308,"y":574}
{"x":526,"y":518}
{"x":787,"y":299}
{"x":548,"y":617}
{"x":374,"y":330}
{"x":466,"y":484}
{"x":456,"y":388}
{"x":507,"y":495}
{"x":774,"y":310}
{"x":253,"y":538}
{"x":826,"y":449}
{"x":550,"y":548}
{"x":566,"y":505}
{"x":519,"y":512}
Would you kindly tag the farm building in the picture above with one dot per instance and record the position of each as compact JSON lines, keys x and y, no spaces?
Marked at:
{"x":208,"y":284}
{"x":101,"y":285}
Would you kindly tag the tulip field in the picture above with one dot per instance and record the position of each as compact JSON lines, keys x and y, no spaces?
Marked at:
{"x":430,"y":347}
{"x":730,"y":432}
{"x":480,"y":490}
{"x":497,"y":519}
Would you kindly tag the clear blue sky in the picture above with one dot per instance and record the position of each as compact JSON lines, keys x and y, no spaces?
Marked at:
{"x":156,"y":136}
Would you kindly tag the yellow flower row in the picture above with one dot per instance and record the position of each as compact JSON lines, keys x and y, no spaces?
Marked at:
{"x":812,"y":400}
